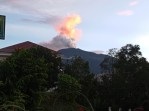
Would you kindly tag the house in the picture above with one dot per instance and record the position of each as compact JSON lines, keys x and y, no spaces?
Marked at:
{"x":7,"y":51}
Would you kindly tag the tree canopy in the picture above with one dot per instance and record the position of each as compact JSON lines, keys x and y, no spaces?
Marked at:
{"x":27,"y":72}
{"x":26,"y":76}
{"x":129,"y":82}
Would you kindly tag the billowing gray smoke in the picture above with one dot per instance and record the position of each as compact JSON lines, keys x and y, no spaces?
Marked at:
{"x":59,"y":42}
{"x":68,"y":34}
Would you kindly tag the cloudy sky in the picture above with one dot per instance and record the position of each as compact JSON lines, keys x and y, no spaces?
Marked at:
{"x":105,"y":24}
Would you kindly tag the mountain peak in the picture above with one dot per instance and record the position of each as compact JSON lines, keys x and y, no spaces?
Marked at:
{"x":93,"y":58}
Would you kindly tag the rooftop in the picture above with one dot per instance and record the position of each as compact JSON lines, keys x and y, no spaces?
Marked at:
{"x":23,"y":45}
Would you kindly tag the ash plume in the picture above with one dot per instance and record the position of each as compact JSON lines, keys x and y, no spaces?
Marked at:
{"x":68,"y":34}
{"x":59,"y":42}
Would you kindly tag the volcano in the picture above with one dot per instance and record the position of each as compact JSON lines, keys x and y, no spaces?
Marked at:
{"x":93,"y":58}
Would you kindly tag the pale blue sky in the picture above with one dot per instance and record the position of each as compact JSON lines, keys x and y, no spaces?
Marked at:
{"x":105,"y":24}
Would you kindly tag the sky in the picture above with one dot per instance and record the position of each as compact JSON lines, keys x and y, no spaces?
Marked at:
{"x":105,"y":24}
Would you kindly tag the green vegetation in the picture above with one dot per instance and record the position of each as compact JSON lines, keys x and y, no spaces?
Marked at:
{"x":127,"y":86}
{"x":25,"y":74}
{"x":36,"y":80}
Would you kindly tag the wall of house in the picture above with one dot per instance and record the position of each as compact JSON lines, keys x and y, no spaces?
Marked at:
{"x":4,"y":55}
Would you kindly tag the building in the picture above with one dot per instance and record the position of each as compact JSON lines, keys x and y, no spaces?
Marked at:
{"x":7,"y":51}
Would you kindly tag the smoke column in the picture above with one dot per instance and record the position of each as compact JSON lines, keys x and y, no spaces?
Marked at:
{"x":68,"y":34}
{"x":68,"y":27}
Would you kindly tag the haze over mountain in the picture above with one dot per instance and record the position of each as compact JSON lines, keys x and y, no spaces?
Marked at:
{"x":93,"y":58}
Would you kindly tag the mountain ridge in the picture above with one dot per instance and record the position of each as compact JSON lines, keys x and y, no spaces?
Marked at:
{"x":93,"y":58}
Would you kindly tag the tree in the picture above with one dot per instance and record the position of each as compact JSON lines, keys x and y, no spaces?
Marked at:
{"x":128,"y":82}
{"x":129,"y":85}
{"x":29,"y":71}
{"x":64,"y":96}
{"x":107,"y":64}
{"x":77,"y":67}
{"x":68,"y":89}
{"x":129,"y":59}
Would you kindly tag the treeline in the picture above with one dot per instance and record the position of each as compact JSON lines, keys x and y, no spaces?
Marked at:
{"x":36,"y":79}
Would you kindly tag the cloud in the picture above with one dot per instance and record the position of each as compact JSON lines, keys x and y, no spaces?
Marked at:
{"x":133,"y":3}
{"x":99,"y":52}
{"x":45,"y":9}
{"x":125,"y":12}
{"x":52,"y":20}
{"x":34,"y":6}
{"x":50,"y":12}
{"x":128,"y":12}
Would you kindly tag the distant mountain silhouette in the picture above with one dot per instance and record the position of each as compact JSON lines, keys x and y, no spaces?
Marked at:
{"x":93,"y":58}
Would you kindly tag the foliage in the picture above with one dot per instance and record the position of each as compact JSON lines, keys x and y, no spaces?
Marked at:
{"x":26,"y":76}
{"x":68,"y":87}
{"x":68,"y":91}
{"x":68,"y":83}
{"x":77,"y":67}
{"x":28,"y":72}
{"x":63,"y":97}
{"x":128,"y":84}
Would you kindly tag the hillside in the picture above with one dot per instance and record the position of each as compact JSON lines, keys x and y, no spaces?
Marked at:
{"x":93,"y":58}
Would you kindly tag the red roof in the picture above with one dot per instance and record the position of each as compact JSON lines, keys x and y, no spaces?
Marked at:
{"x":23,"y":45}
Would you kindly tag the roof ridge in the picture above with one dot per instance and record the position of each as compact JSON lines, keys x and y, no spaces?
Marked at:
{"x":12,"y":48}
